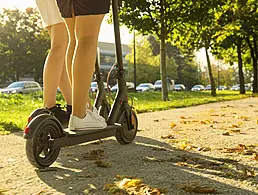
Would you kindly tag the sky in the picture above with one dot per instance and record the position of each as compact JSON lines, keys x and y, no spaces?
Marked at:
{"x":106,"y":31}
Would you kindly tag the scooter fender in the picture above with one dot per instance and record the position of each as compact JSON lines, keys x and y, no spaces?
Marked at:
{"x":36,"y":122}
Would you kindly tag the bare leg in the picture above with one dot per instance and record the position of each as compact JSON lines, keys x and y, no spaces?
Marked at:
{"x":55,"y":63}
{"x":70,"y":25}
{"x":86,"y":32}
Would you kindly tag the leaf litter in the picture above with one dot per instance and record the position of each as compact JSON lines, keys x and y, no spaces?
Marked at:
{"x":132,"y":186}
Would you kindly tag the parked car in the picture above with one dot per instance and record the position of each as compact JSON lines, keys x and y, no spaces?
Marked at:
{"x":145,"y":87}
{"x":208,"y":87}
{"x":198,"y":88}
{"x":22,"y":87}
{"x":179,"y":87}
{"x":222,"y":87}
{"x":235,"y":87}
{"x":94,"y":86}
{"x":248,"y":87}
{"x":170,"y":84}
{"x":130,"y":87}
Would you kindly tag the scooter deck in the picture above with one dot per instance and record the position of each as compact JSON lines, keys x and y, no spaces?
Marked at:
{"x":81,"y":136}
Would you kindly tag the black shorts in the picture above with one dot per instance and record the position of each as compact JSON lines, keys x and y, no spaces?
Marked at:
{"x":83,"y":7}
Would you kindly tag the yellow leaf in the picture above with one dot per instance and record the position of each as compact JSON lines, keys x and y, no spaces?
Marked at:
{"x":255,"y":156}
{"x":172,"y":125}
{"x":128,"y":183}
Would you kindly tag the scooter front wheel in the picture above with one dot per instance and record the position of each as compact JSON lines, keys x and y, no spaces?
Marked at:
{"x":45,"y":128}
{"x":125,"y":135}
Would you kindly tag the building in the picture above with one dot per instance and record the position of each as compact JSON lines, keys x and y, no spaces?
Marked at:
{"x":107,"y":57}
{"x":108,"y":54}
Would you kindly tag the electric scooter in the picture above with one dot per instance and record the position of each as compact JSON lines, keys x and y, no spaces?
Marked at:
{"x":45,"y":135}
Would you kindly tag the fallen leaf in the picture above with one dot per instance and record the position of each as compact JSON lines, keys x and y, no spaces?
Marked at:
{"x":167,"y":137}
{"x":102,"y":164}
{"x":227,"y":106}
{"x":94,"y":154}
{"x":234,"y":126}
{"x":204,"y":190}
{"x":204,"y":149}
{"x":226,"y":133}
{"x":152,"y":159}
{"x":196,"y":189}
{"x":172,"y":125}
{"x":255,"y":156}
{"x":128,"y":183}
{"x":235,"y":131}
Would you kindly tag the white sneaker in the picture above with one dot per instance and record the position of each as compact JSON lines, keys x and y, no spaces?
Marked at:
{"x":90,"y":122}
{"x":95,"y":111}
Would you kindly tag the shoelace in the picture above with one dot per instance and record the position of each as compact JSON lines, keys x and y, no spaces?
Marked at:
{"x":94,"y":115}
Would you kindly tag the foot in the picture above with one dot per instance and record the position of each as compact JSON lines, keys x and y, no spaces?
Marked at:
{"x":60,"y":114}
{"x":91,"y":121}
{"x":94,"y":110}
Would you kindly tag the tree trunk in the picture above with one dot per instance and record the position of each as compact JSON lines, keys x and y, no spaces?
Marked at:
{"x":163,"y":69}
{"x":256,"y":56}
{"x":213,"y":87}
{"x":255,"y":89}
{"x":240,"y":66}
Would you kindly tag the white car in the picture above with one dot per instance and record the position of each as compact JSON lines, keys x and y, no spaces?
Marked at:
{"x":235,"y":88}
{"x":198,"y":88}
{"x":145,"y":87}
{"x":94,"y":86}
{"x":130,"y":87}
{"x":170,"y":85}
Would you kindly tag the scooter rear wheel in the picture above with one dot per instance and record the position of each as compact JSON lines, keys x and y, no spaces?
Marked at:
{"x":125,"y":135}
{"x":38,"y":147}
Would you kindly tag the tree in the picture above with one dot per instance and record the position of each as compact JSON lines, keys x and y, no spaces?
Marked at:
{"x":154,"y":17}
{"x":198,"y":31}
{"x":237,"y":19}
{"x":24,"y":44}
{"x":188,"y":72}
{"x":148,"y":64}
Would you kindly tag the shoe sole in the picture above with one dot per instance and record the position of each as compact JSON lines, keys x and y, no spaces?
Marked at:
{"x":86,"y":128}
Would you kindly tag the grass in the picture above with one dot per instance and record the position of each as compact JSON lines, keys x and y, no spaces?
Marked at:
{"x":15,"y":109}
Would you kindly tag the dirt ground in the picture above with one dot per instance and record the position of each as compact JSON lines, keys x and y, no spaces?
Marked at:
{"x":211,"y":148}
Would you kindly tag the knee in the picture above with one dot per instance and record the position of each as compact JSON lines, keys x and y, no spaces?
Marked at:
{"x":59,"y":47}
{"x":87,"y":38}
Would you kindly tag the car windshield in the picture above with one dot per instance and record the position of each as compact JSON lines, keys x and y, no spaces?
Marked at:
{"x":177,"y":86}
{"x":143,"y":85}
{"x":15,"y":85}
{"x":197,"y":86}
{"x":158,"y":83}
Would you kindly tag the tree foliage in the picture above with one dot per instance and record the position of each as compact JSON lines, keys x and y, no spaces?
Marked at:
{"x":23,"y":45}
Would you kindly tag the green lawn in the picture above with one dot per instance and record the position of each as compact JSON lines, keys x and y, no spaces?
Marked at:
{"x":14,"y":109}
